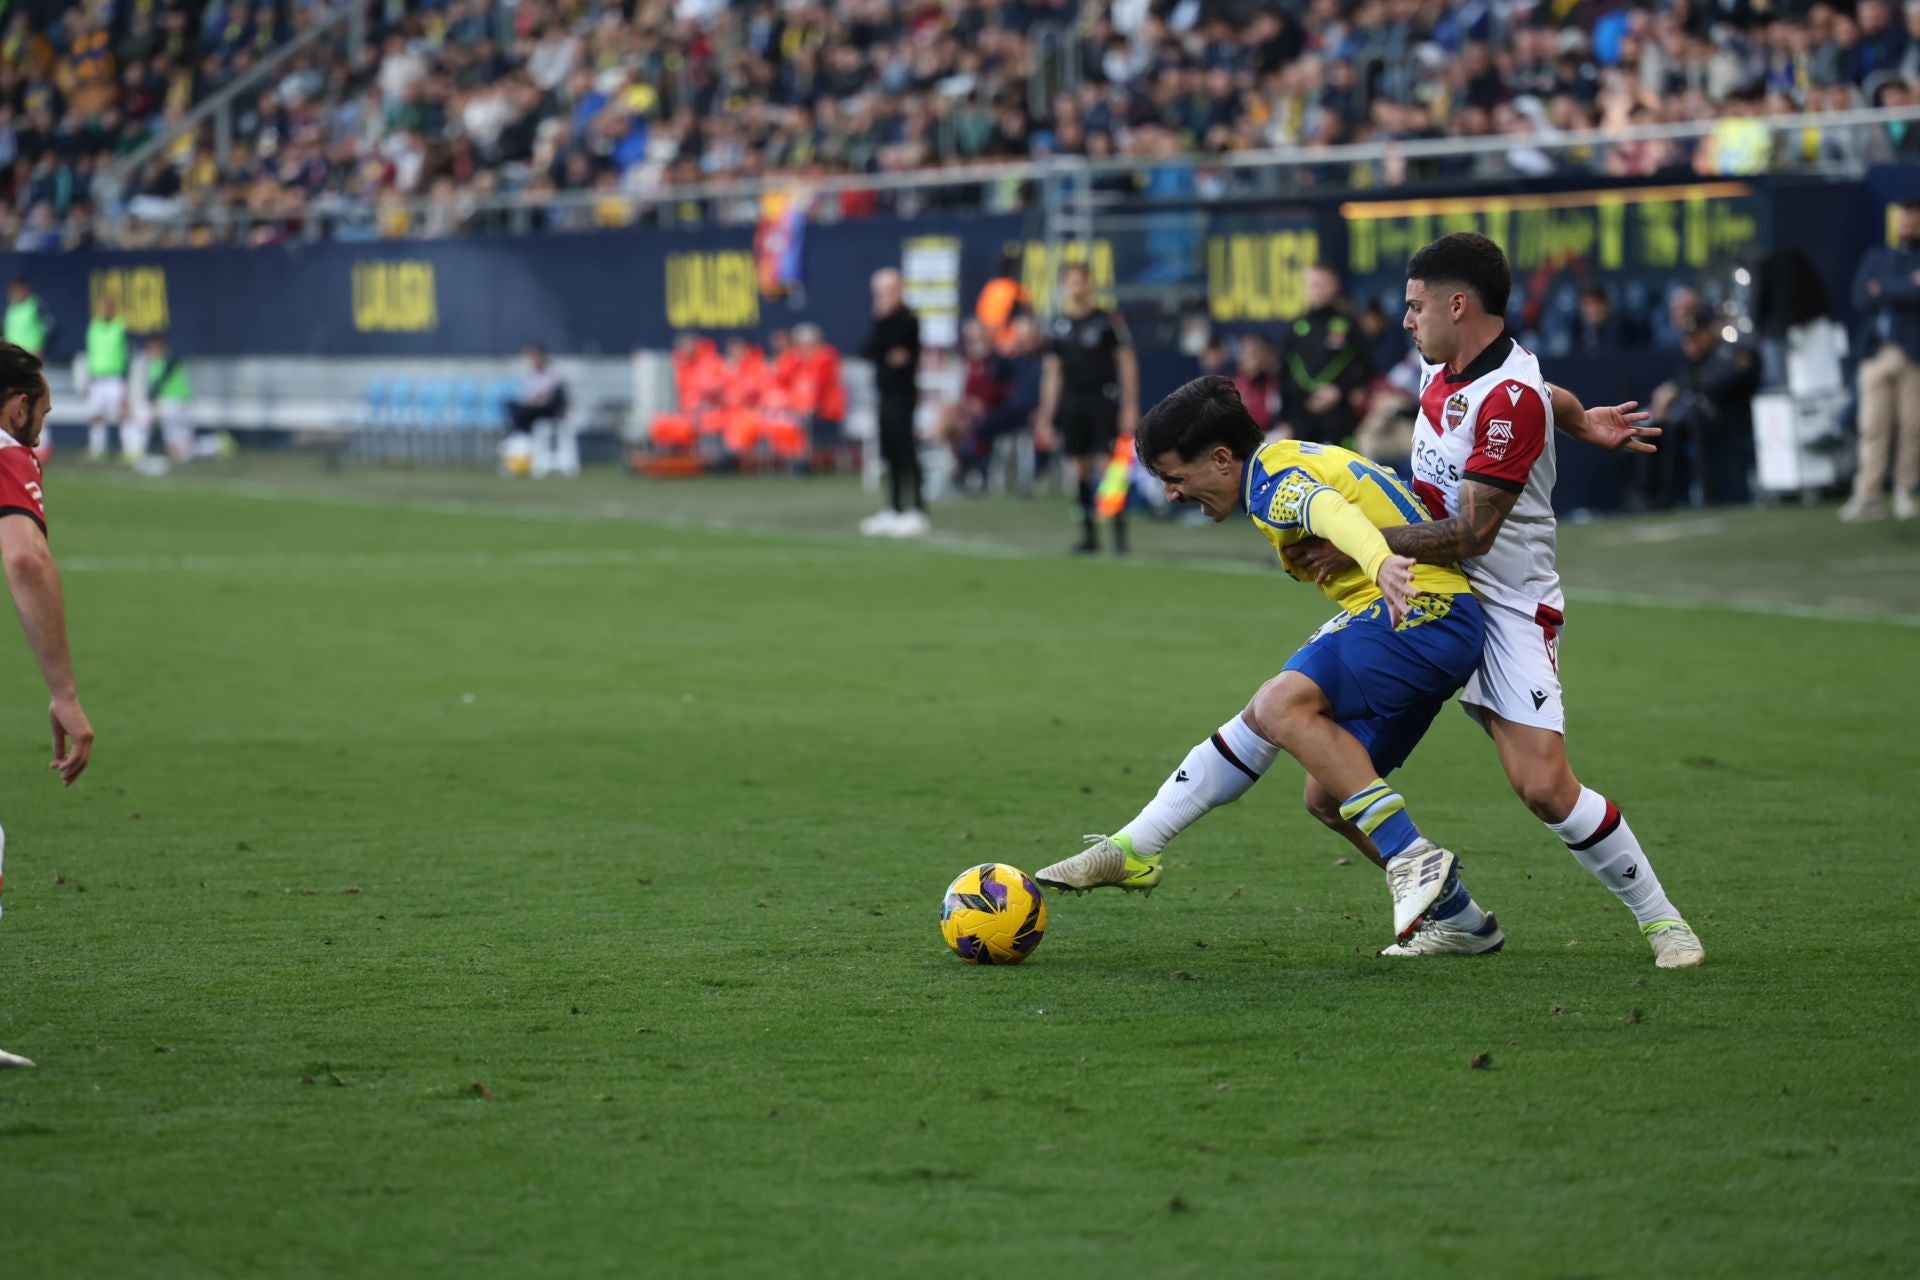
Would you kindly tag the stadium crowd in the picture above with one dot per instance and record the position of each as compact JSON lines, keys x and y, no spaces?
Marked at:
{"x":447,"y":103}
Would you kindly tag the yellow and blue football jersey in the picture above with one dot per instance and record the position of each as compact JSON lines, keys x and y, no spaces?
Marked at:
{"x":1279,"y":490}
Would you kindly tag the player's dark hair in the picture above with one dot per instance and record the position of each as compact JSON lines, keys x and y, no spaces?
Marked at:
{"x":1204,"y":413}
{"x":21,"y":373}
{"x":1466,"y":261}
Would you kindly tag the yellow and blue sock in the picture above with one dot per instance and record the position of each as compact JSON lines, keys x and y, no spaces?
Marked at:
{"x":1378,"y":810}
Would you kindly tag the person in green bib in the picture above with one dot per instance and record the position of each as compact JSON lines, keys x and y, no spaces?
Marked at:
{"x":26,"y":323}
{"x":170,"y":392}
{"x":108,"y":356}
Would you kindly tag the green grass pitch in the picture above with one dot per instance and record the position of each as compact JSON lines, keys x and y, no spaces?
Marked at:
{"x":537,"y":881}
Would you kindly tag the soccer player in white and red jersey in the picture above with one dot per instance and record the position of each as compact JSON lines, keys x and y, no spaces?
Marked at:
{"x":1483,"y":466}
{"x":31,"y":575}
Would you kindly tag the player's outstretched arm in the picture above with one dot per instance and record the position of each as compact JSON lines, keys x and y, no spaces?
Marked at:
{"x":35,"y":584}
{"x":1612,"y":426}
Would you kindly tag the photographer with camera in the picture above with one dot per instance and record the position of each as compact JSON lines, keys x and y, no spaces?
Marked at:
{"x":1707,"y":410}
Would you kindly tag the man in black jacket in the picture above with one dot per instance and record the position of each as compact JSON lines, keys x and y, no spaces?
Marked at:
{"x":1886,"y":297}
{"x":893,"y":347}
{"x":1324,"y":364}
{"x":1707,"y":409}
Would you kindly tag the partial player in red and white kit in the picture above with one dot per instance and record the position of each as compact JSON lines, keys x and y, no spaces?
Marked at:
{"x":1483,"y":465}
{"x":31,"y":575}
{"x":1487,"y":426}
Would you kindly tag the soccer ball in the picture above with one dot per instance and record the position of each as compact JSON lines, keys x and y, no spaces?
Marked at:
{"x":993,"y":914}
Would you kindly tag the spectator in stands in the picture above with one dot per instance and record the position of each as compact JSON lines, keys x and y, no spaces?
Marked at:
{"x":893,"y":348}
{"x":624,"y":102}
{"x":1324,"y":366}
{"x":1886,"y":298}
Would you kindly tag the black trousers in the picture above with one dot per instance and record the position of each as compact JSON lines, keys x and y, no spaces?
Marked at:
{"x":900,"y":450}
{"x":524,"y":417}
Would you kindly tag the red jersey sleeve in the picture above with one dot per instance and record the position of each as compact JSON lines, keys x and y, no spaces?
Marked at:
{"x":20,"y":486}
{"x":1509,"y":436}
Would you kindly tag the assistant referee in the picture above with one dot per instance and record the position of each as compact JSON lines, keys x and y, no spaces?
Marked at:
{"x":1089,"y":395}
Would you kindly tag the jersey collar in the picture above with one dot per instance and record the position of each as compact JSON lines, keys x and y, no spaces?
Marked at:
{"x":1486,"y":362}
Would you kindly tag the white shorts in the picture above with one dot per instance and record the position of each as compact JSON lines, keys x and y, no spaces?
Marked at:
{"x":1519,"y":674}
{"x":106,"y":397}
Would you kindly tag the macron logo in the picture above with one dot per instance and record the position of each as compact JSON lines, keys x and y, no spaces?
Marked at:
{"x":1513,"y":391}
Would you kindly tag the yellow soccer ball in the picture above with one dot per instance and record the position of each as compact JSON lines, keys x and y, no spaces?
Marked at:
{"x":993,"y":914}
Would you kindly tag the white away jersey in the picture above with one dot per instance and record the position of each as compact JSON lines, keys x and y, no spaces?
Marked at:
{"x":1492,"y":423}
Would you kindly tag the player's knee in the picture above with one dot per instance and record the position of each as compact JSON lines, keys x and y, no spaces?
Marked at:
{"x":1548,"y":794}
{"x":1278,"y":710}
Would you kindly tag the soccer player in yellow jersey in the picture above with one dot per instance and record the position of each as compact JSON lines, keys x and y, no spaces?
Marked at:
{"x":1356,"y":698}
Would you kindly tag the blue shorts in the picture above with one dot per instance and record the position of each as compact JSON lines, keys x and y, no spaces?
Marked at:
{"x":1386,"y":685}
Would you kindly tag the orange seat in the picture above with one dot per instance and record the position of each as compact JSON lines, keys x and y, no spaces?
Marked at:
{"x":789,"y":439}
{"x":744,"y":430}
{"x":671,"y":431}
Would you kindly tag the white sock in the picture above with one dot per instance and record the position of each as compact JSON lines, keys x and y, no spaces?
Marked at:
{"x":1218,"y":771}
{"x":96,"y":440}
{"x":133,"y":440}
{"x":1602,"y":842}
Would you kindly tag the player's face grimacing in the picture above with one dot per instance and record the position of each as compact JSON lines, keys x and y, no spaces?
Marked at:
{"x":1212,"y":480}
{"x":1431,"y":321}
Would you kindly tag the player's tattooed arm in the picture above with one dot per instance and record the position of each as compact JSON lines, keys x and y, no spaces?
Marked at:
{"x":1483,"y":509}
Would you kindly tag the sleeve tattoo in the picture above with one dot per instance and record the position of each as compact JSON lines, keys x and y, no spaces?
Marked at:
{"x":1483,"y":509}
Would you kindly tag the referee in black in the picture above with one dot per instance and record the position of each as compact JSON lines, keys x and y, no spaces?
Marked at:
{"x":1089,"y":394}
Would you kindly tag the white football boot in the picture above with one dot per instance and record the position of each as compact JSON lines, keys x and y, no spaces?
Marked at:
{"x":911,"y":524}
{"x":1438,"y":938}
{"x":1675,"y":945}
{"x":881,"y":524}
{"x":1416,"y":879}
{"x":1106,"y":862}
